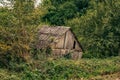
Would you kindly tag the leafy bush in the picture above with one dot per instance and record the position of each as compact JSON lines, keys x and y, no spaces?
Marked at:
{"x":57,"y":12}
{"x":98,"y":30}
{"x":62,"y":69}
{"x":15,"y":44}
{"x":70,"y":69}
{"x":7,"y":19}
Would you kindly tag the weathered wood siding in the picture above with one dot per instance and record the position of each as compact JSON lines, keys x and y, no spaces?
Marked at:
{"x":59,"y":52}
{"x":61,"y":40}
{"x":76,"y":55}
{"x":67,"y":44}
{"x":77,"y":47}
{"x":69,"y":40}
{"x":60,"y":43}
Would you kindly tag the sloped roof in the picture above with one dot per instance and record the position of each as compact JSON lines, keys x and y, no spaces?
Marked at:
{"x":47,"y":34}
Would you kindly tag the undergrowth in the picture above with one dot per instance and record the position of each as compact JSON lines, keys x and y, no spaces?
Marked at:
{"x":64,"y":69}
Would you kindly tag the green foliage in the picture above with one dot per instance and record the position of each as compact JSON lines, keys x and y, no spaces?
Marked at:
{"x":7,"y":75}
{"x":70,"y":69}
{"x":59,"y":11}
{"x":95,"y":23}
{"x":15,"y":44}
{"x":96,"y":30}
{"x":15,"y":36}
{"x":21,"y":10}
{"x":62,"y":69}
{"x":7,"y":19}
{"x":48,"y":50}
{"x":22,"y":14}
{"x":68,"y":56}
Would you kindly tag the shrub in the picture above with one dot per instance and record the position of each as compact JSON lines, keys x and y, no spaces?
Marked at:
{"x":15,"y":44}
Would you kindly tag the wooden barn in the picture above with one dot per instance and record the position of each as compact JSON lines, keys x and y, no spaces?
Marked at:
{"x":61,"y":40}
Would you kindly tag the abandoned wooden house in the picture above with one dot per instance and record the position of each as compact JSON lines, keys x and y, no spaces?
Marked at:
{"x":61,"y":40}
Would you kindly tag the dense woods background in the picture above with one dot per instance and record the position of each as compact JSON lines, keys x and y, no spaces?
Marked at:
{"x":96,"y":23}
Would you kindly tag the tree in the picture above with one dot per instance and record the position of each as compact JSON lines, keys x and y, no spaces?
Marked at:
{"x":22,"y":11}
{"x":21,"y":14}
{"x":15,"y":40}
{"x":58,"y":11}
{"x":98,"y":30}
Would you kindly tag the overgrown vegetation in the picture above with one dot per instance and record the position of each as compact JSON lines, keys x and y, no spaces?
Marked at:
{"x":62,"y":69}
{"x":15,"y":44}
{"x":96,"y":24}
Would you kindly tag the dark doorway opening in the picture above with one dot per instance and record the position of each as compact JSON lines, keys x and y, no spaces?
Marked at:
{"x":74,"y":44}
